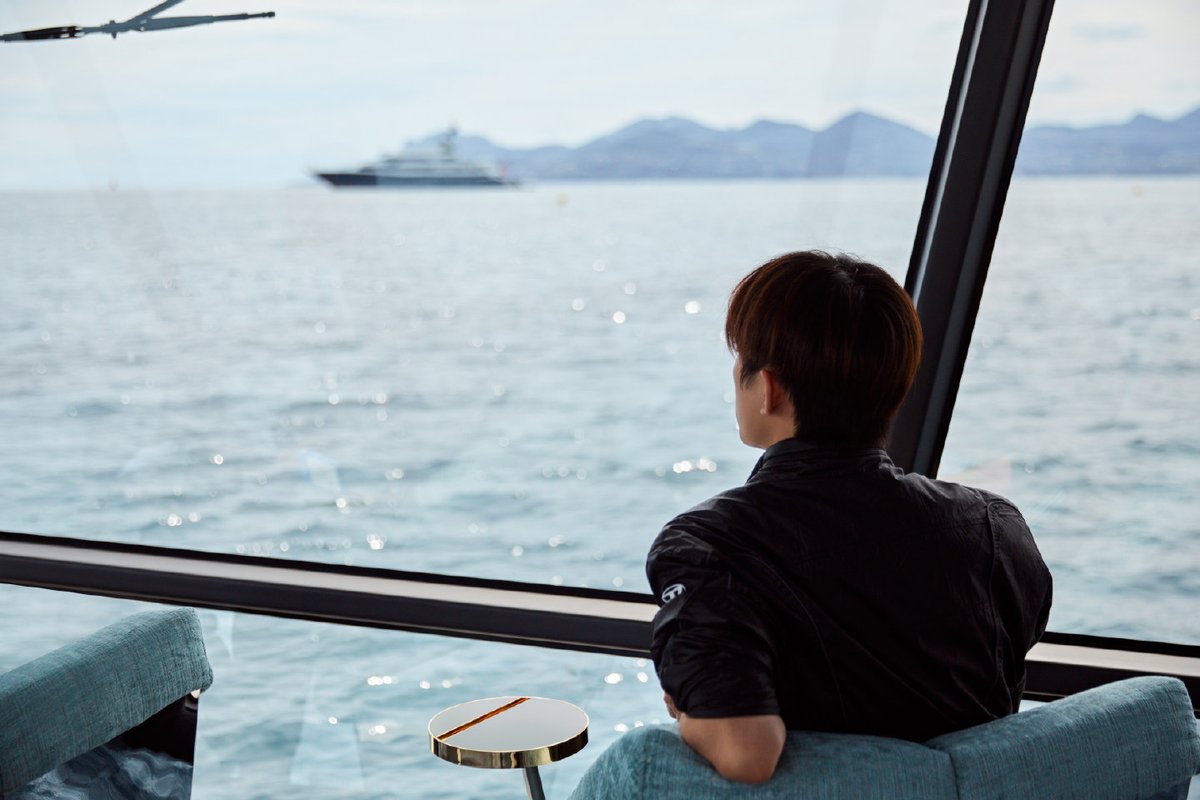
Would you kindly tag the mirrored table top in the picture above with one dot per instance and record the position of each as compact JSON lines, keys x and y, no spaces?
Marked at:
{"x":508,"y":732}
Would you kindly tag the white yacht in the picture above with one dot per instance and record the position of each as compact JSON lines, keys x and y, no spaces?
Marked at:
{"x":421,"y":169}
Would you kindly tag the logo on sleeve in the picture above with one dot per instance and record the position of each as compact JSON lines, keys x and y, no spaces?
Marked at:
{"x":673,"y":591}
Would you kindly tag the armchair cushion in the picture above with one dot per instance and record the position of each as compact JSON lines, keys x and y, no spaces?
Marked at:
{"x":653,"y":761}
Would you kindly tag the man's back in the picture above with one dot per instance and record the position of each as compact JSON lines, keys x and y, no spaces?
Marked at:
{"x":844,"y":595}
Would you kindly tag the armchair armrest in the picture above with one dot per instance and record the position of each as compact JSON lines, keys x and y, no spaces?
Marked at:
{"x":80,"y":696}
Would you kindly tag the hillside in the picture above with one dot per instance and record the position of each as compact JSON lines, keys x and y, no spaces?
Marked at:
{"x":858,"y":145}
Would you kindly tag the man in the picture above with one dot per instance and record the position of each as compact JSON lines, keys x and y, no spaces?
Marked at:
{"x":833,"y":591}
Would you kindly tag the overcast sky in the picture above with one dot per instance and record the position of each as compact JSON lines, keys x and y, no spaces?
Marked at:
{"x":333,"y":84}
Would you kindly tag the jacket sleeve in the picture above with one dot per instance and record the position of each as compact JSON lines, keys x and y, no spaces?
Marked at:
{"x":1021,"y":590}
{"x":711,"y":646}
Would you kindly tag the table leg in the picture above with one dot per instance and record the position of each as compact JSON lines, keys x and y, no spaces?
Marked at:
{"x":533,"y":784}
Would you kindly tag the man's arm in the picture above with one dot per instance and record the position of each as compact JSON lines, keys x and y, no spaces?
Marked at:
{"x":713,"y":652}
{"x":745,"y":749}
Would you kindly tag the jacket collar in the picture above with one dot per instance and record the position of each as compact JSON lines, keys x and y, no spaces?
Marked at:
{"x":795,"y":457}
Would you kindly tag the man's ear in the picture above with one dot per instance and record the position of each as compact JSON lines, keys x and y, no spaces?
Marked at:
{"x":773,"y":396}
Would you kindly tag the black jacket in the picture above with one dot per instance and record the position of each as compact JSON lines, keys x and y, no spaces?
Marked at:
{"x":843,"y":594}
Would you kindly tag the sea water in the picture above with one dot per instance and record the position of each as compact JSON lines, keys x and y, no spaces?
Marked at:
{"x":526,"y":385}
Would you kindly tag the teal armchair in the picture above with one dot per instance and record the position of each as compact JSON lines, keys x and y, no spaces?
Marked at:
{"x":1131,"y":740}
{"x":136,"y":674}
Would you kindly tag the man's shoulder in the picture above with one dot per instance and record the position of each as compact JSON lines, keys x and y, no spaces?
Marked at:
{"x":948,"y":498}
{"x":698,"y":537}
{"x":707,"y":524}
{"x":993,"y":514}
{"x":996,"y":507}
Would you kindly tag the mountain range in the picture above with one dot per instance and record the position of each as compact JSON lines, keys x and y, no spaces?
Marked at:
{"x":860,"y":144}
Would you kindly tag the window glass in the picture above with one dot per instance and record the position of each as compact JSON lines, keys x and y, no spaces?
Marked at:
{"x":1079,"y":398}
{"x":316,"y":710}
{"x":207,"y":347}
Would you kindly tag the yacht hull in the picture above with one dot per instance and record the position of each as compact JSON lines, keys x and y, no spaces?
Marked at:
{"x":367,"y":180}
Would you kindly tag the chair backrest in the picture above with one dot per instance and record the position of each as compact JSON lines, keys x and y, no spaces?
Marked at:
{"x":1132,"y":738}
{"x":80,"y":696}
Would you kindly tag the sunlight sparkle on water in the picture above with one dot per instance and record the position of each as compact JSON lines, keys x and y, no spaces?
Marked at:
{"x":692,"y":306}
{"x":618,"y":317}
{"x":687,"y":465}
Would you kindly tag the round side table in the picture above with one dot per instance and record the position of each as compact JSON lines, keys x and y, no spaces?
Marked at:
{"x":509,"y":733}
